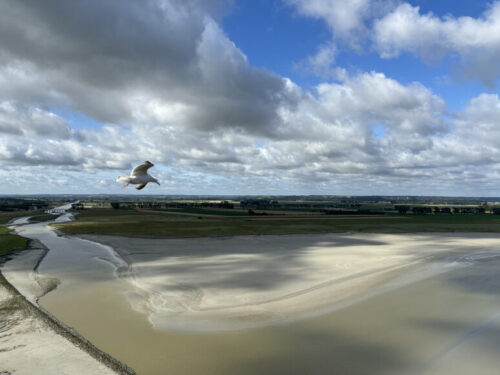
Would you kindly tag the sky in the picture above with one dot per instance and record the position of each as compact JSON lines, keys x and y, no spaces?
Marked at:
{"x":281,"y":97}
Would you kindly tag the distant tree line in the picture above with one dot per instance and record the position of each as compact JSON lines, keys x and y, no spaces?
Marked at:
{"x":439,"y":210}
{"x":166,"y":205}
{"x":22,"y":204}
{"x":351,"y":212}
{"x":262,"y":203}
{"x":259,"y":203}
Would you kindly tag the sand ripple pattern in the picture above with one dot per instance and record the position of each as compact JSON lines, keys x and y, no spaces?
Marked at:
{"x":224,"y":284}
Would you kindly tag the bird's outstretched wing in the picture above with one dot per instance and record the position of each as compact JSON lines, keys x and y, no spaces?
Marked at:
{"x":139,"y":187}
{"x":142,"y":169}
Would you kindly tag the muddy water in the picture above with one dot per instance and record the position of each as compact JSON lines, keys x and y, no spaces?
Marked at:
{"x":447,"y":324}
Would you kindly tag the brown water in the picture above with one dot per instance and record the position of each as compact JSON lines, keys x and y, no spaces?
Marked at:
{"x":447,"y":324}
{"x":444,"y":325}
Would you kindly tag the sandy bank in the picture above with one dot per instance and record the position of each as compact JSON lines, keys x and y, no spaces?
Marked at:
{"x":234,"y":283}
{"x":31,"y":340}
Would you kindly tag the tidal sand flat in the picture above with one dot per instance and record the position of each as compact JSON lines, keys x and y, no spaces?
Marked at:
{"x":235,"y":283}
{"x":294,"y":304}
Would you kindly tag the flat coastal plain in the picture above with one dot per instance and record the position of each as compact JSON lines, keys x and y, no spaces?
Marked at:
{"x":353,"y":303}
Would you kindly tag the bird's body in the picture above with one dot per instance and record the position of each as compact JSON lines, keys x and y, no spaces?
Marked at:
{"x":139,"y":176}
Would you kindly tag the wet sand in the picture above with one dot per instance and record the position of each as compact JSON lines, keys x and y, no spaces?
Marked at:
{"x":32,"y":341}
{"x":322,"y":304}
{"x":445,"y":323}
{"x":28,"y":345}
{"x":223,"y":284}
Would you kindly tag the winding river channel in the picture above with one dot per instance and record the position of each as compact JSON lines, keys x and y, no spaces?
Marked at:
{"x":445,"y":323}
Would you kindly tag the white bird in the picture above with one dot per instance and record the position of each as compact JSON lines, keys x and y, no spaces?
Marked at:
{"x":139,"y":176}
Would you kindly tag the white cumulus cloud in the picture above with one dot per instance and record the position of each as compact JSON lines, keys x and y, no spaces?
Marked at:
{"x":475,"y":40}
{"x":164,"y":82}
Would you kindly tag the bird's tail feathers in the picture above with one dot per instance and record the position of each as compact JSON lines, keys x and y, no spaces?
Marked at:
{"x":123,"y":179}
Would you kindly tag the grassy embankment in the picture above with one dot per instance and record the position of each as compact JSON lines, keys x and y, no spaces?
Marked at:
{"x":9,"y":241}
{"x":162,"y":224}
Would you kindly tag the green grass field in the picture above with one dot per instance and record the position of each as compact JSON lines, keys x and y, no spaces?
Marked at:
{"x":157,"y":224}
{"x":10,"y":241}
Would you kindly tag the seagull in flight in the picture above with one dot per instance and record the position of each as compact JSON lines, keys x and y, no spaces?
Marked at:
{"x":139,"y":176}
